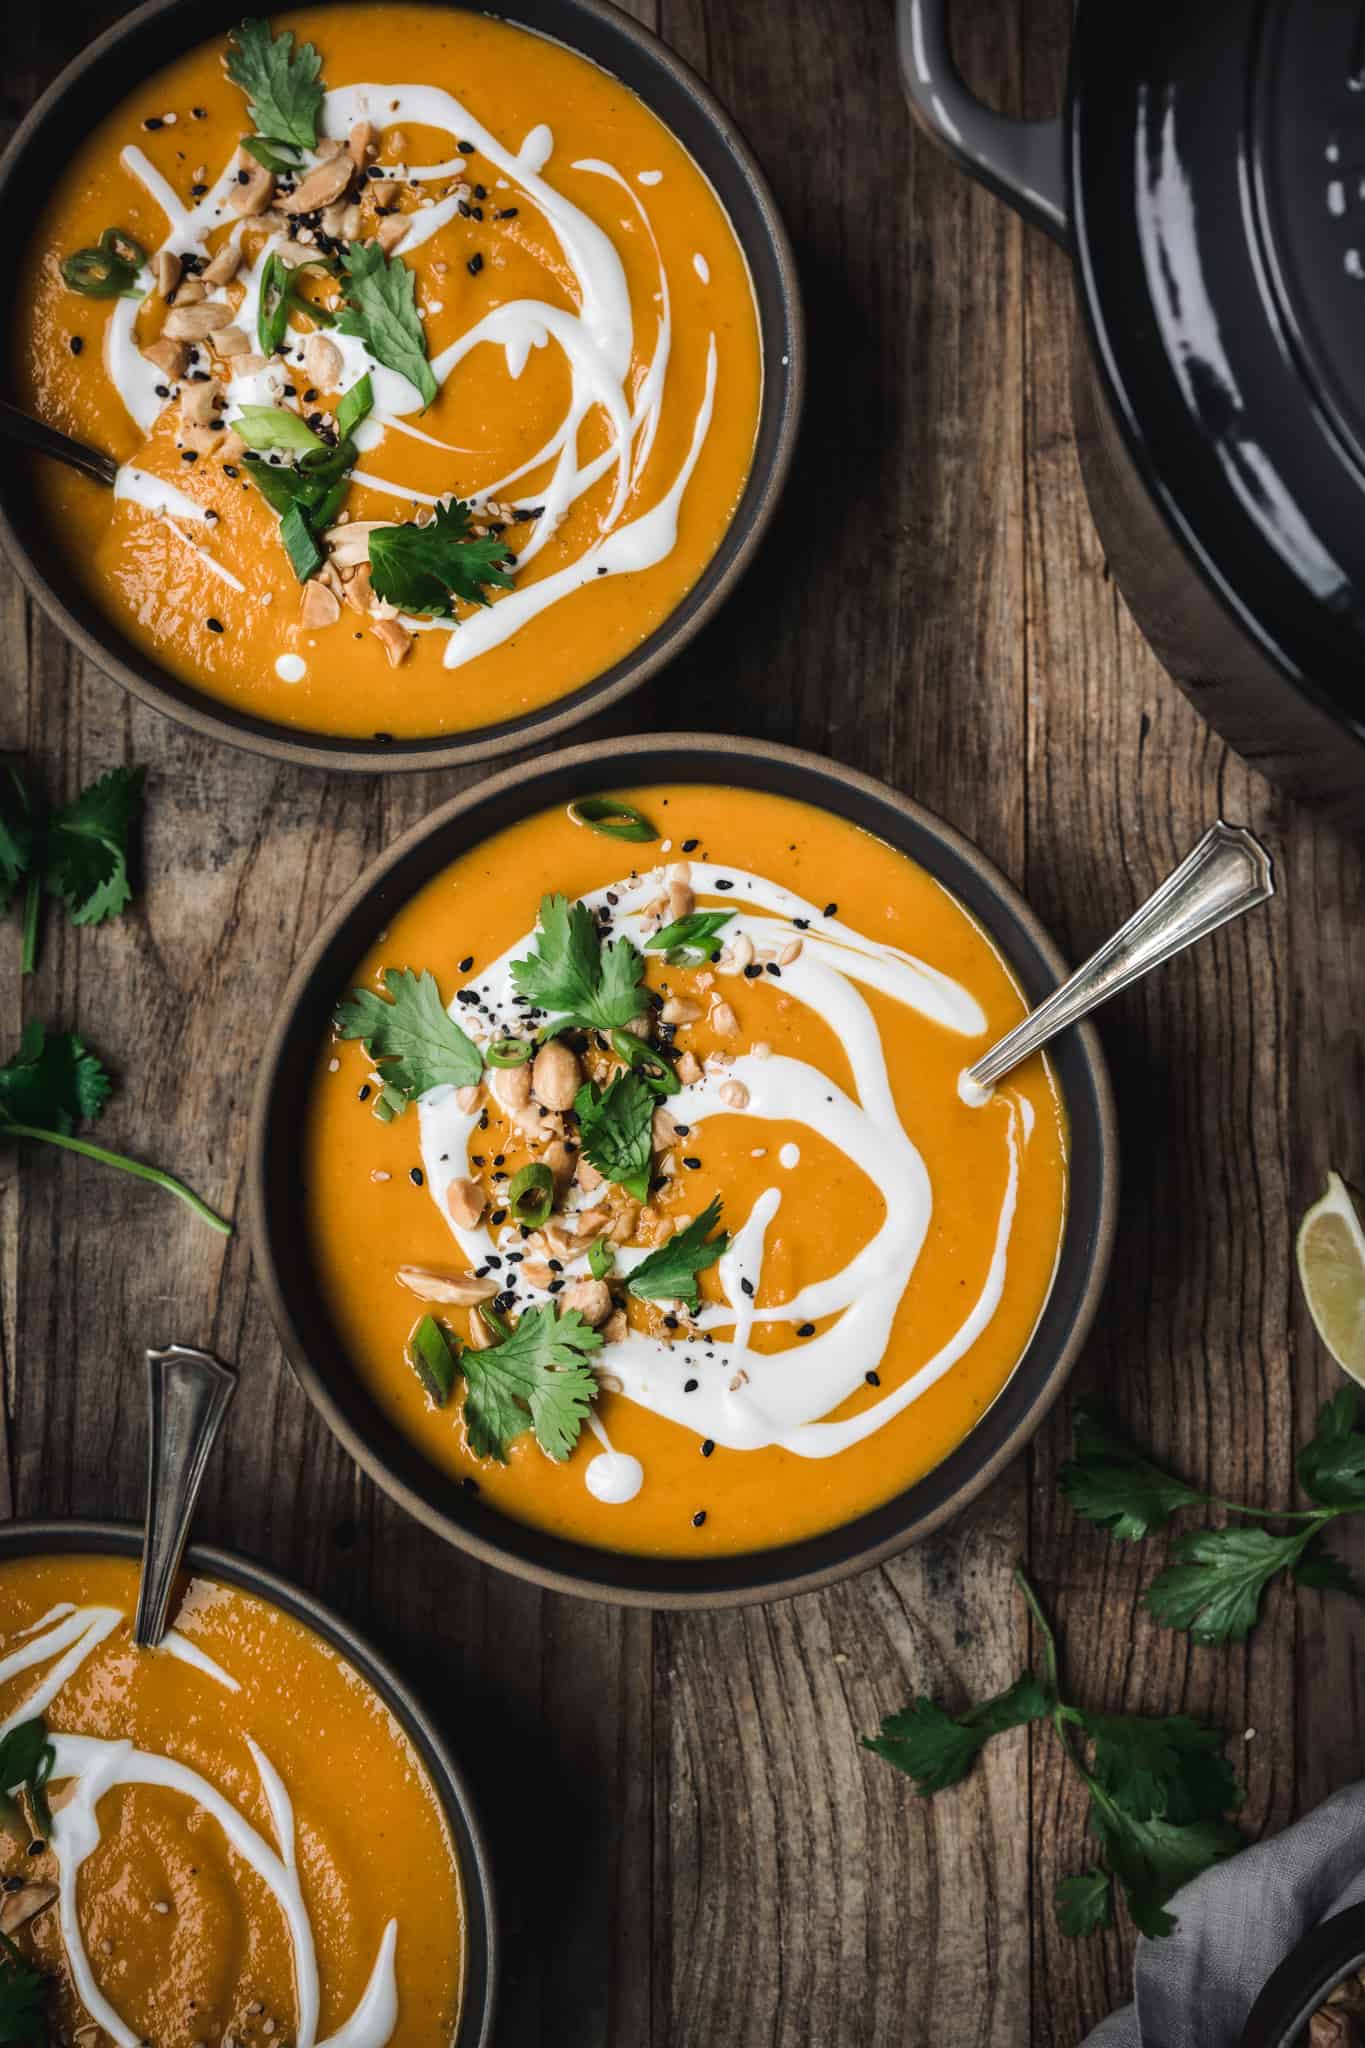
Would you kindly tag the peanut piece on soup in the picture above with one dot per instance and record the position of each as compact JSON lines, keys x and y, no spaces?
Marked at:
{"x":556,"y":1076}
{"x":322,"y":361}
{"x":460,"y":1290}
{"x":592,"y":1299}
{"x":322,"y":185}
{"x":465,"y":1202}
{"x":393,"y":638}
{"x":223,"y":265}
{"x":253,"y":194}
{"x":169,"y":355}
{"x":319,"y":606}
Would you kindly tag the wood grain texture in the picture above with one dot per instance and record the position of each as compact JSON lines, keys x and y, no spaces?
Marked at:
{"x":717,"y":1864}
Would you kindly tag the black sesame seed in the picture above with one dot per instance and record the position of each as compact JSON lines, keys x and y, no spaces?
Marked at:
{"x":243,"y":177}
{"x":163,"y":390}
{"x":723,"y":884}
{"x":670,"y":1322}
{"x":774,"y":970}
{"x":752,"y":971}
{"x":466,"y":963}
{"x":707,"y":1448}
{"x":690,"y":1386}
{"x":154,"y":121}
{"x":37,"y":1848}
{"x":874,"y":1379}
{"x":189,"y":455}
{"x":198,"y":191}
{"x":699,"y":1518}
{"x":75,"y":344}
{"x":364,"y":1091}
{"x":214,"y":625}
{"x":199,"y":113}
{"x":229,"y":469}
{"x":499,"y":1158}
{"x":481,"y":192}
{"x":692,"y":1164}
{"x":475,"y":264}
{"x":415,"y":1176}
{"x":465,"y":148}
{"x":690,"y":845}
{"x":683,"y":1130}
{"x":500,"y":1216}
{"x":555,"y":1265}
{"x":748,"y":1288}
{"x":507,"y":213}
{"x":831,"y":910}
{"x":310,"y":394}
{"x":806,"y":1330}
{"x":476,"y":213}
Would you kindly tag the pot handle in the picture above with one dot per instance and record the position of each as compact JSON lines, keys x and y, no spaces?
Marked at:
{"x":1023,"y":161}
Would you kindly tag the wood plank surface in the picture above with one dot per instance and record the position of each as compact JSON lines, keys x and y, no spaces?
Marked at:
{"x":720,"y":1865}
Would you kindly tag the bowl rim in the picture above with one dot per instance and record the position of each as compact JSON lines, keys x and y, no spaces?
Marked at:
{"x":1319,"y":1961}
{"x":45,"y":1535}
{"x":781,"y":333}
{"x":755,"y":1575}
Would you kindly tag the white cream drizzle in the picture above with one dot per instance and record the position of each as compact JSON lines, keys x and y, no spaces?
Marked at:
{"x":741,"y":1397}
{"x":96,"y":1766}
{"x":596,"y":341}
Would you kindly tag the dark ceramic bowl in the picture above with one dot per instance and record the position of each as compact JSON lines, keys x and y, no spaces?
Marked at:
{"x":279,"y":1234}
{"x":115,"y":1539}
{"x":1327,"y":1955}
{"x":152,"y":36}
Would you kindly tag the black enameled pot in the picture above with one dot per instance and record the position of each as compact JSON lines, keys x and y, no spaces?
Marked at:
{"x":1206,"y":176}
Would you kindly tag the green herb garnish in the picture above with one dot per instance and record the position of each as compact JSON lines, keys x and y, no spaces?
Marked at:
{"x":435,"y":1357}
{"x":275,"y":427}
{"x":611,"y":817}
{"x":425,"y":568}
{"x":601,"y":1257}
{"x":1159,"y":1788}
{"x":355,"y":406}
{"x":531,"y":1195}
{"x":301,"y":544}
{"x":1214,"y":1583}
{"x":109,"y":270}
{"x":412,"y":1038}
{"x":51,"y":1084}
{"x":280,"y":296}
{"x":24,"y":1994}
{"x":534,"y":1377}
{"x":381,"y":309}
{"x":584,"y":984}
{"x":285,"y":159}
{"x":79,"y":852}
{"x":670,"y":1273}
{"x":26,"y":1760}
{"x":509,"y":1052}
{"x":616,"y":1130}
{"x":690,"y":939}
{"x":283,"y":85}
{"x":313,"y":488}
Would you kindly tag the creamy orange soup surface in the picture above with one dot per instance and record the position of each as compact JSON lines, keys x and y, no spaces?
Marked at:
{"x":737,"y":1313}
{"x":256,"y":1849}
{"x":475,"y":233}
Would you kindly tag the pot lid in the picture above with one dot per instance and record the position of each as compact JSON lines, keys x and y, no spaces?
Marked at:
{"x":1217,"y":182}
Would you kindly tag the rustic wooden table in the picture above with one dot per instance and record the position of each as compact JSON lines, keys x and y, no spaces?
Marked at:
{"x":694,"y":1853}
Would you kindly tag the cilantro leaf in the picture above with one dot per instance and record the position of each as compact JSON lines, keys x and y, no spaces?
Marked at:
{"x":1109,"y":1483}
{"x":52,"y":1082}
{"x":87,"y":846}
{"x":16,"y":831}
{"x":274,"y":426}
{"x":570,"y":973}
{"x":1331,"y":1467}
{"x":1214,"y":1587}
{"x":381,"y":309}
{"x":670,"y":1273}
{"x":535,"y":1378}
{"x":24,"y":1996}
{"x":413,"y":1039}
{"x":691,"y":937}
{"x":1085,"y":1902}
{"x":424,"y":568}
{"x":937,"y":1749}
{"x":283,"y":85}
{"x":1162,"y":1768}
{"x":616,"y":1131}
{"x":1324,"y":1570}
{"x":1152,"y":1859}
{"x":26,"y":1760}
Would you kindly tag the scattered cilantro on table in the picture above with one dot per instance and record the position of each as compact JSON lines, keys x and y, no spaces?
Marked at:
{"x":1160,"y":1789}
{"x":584,"y":984}
{"x":283,"y":85}
{"x":79,"y":852}
{"x":412,"y":1038}
{"x":51,"y":1084}
{"x":534,"y":1376}
{"x":425,"y":568}
{"x":670,"y":1273}
{"x":1214,"y":1583}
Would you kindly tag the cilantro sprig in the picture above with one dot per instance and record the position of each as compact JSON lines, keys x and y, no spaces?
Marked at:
{"x":425,"y":568}
{"x":584,"y":984}
{"x":26,"y":1760}
{"x":308,"y":493}
{"x":670,"y":1273}
{"x":411,"y":1037}
{"x":1217,"y":1577}
{"x":1160,"y":1789}
{"x":80,"y":852}
{"x":381,"y":309}
{"x":51,"y":1084}
{"x":283,"y":85}
{"x":533,"y":1377}
{"x":615,"y":1127}
{"x":24,"y":1995}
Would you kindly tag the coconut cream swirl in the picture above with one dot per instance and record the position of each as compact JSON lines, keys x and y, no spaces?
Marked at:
{"x":741,"y":1397}
{"x":597,"y":342}
{"x":93,"y":1767}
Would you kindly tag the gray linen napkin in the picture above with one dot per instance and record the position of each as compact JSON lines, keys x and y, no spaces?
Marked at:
{"x":1196,"y":1987}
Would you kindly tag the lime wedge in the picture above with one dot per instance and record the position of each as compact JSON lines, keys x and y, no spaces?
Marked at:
{"x":1331,"y":1258}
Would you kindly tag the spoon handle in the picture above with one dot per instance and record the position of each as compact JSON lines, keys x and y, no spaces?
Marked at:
{"x":189,"y":1394}
{"x":45,"y":440}
{"x":1229,"y":872}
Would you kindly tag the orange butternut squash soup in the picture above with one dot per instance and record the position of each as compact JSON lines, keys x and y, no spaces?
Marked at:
{"x":673,"y":1233}
{"x":229,"y":1838}
{"x":430,"y":358}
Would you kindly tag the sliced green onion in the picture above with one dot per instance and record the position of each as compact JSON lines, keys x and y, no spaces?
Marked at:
{"x":694,"y":934}
{"x":499,"y":1325}
{"x":356,"y":405}
{"x":531,"y":1195}
{"x":435,"y":1358}
{"x":388,"y":1103}
{"x":109,"y":270}
{"x":601,"y":1258}
{"x":648,"y":1060}
{"x":509,"y":1052}
{"x":611,"y":817}
{"x":301,"y":544}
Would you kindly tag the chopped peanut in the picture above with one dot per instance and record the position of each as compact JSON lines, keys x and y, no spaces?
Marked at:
{"x":465,"y":1203}
{"x":460,"y":1290}
{"x":319,"y":606}
{"x":556,"y":1076}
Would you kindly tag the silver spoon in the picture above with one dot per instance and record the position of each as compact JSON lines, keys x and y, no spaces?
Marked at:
{"x":45,"y":440}
{"x":189,"y":1393}
{"x":1229,"y":872}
